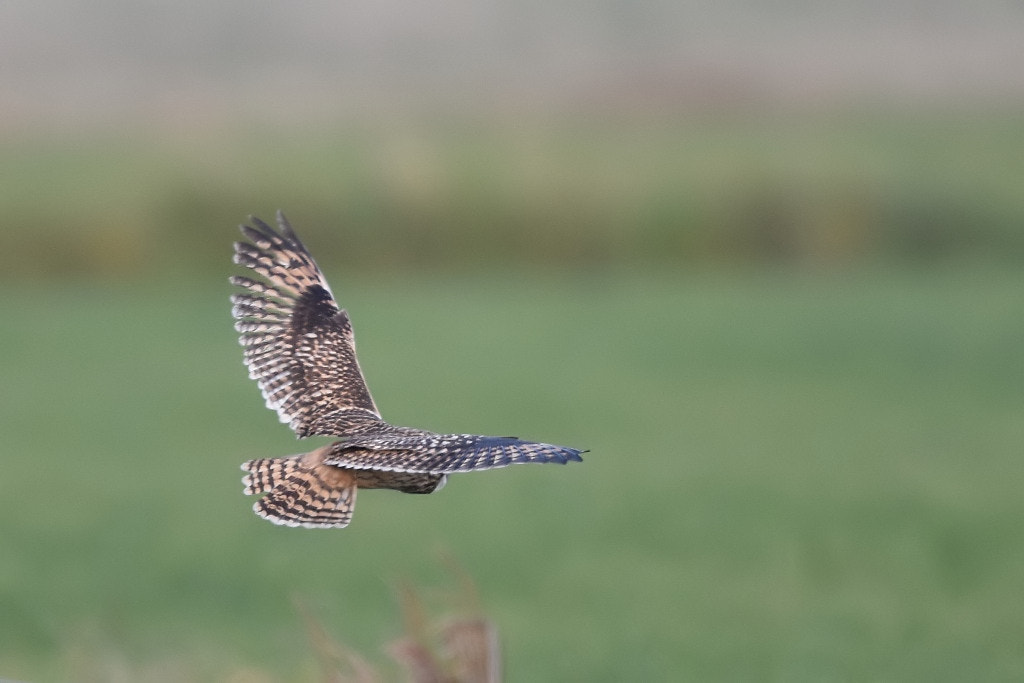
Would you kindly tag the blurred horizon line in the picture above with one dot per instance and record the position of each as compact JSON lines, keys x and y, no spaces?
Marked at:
{"x":65,"y":63}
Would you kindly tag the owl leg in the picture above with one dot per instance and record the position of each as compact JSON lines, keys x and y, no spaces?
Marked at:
{"x":301,"y":491}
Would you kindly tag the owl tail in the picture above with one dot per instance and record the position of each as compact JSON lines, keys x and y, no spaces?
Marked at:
{"x":301,"y":491}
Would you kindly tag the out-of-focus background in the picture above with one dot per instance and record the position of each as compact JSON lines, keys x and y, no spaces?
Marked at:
{"x":764,"y":259}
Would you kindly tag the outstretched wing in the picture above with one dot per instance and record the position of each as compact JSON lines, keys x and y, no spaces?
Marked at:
{"x":426,"y":452}
{"x":299,"y":345}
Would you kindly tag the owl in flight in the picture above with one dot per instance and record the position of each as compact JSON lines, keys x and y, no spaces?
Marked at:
{"x":299,"y":347}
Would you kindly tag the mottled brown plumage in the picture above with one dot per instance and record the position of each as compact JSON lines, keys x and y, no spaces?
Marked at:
{"x":300,"y":349}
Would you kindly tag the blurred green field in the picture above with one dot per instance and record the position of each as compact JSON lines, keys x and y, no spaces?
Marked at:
{"x":789,"y":186}
{"x":795,"y":474}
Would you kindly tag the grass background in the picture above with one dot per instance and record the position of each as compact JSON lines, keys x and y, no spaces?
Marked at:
{"x":764,"y":262}
{"x":796,"y":473}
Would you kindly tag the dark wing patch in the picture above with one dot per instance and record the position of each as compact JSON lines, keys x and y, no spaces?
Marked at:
{"x":426,"y":452}
{"x":299,"y":345}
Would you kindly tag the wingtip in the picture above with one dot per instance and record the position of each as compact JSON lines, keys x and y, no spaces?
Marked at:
{"x":284,"y":230}
{"x":571,"y":455}
{"x":287,"y":230}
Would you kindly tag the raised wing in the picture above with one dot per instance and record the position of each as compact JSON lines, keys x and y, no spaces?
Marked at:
{"x":299,"y":345}
{"x":425,"y":452}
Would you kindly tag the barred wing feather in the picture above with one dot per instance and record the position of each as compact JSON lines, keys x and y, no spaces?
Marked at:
{"x":299,"y":345}
{"x":444,"y":453}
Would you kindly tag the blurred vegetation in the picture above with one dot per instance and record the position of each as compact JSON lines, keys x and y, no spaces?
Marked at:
{"x":794,"y":475}
{"x":795,"y":472}
{"x":806,"y":188}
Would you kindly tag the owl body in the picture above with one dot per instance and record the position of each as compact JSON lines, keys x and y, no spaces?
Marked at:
{"x":300,"y":348}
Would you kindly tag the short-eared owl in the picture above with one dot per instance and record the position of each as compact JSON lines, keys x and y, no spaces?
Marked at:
{"x":300,"y":349}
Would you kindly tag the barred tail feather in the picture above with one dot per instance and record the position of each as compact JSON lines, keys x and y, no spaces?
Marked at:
{"x":301,"y":491}
{"x":264,"y":473}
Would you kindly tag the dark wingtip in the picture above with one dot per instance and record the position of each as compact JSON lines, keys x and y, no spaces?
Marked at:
{"x":260,"y":225}
{"x":564,"y":455}
{"x":573,"y":455}
{"x":256,"y":228}
{"x":287,"y":230}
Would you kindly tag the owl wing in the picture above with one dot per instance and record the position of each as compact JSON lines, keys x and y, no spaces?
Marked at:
{"x":426,"y":452}
{"x":299,"y":345}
